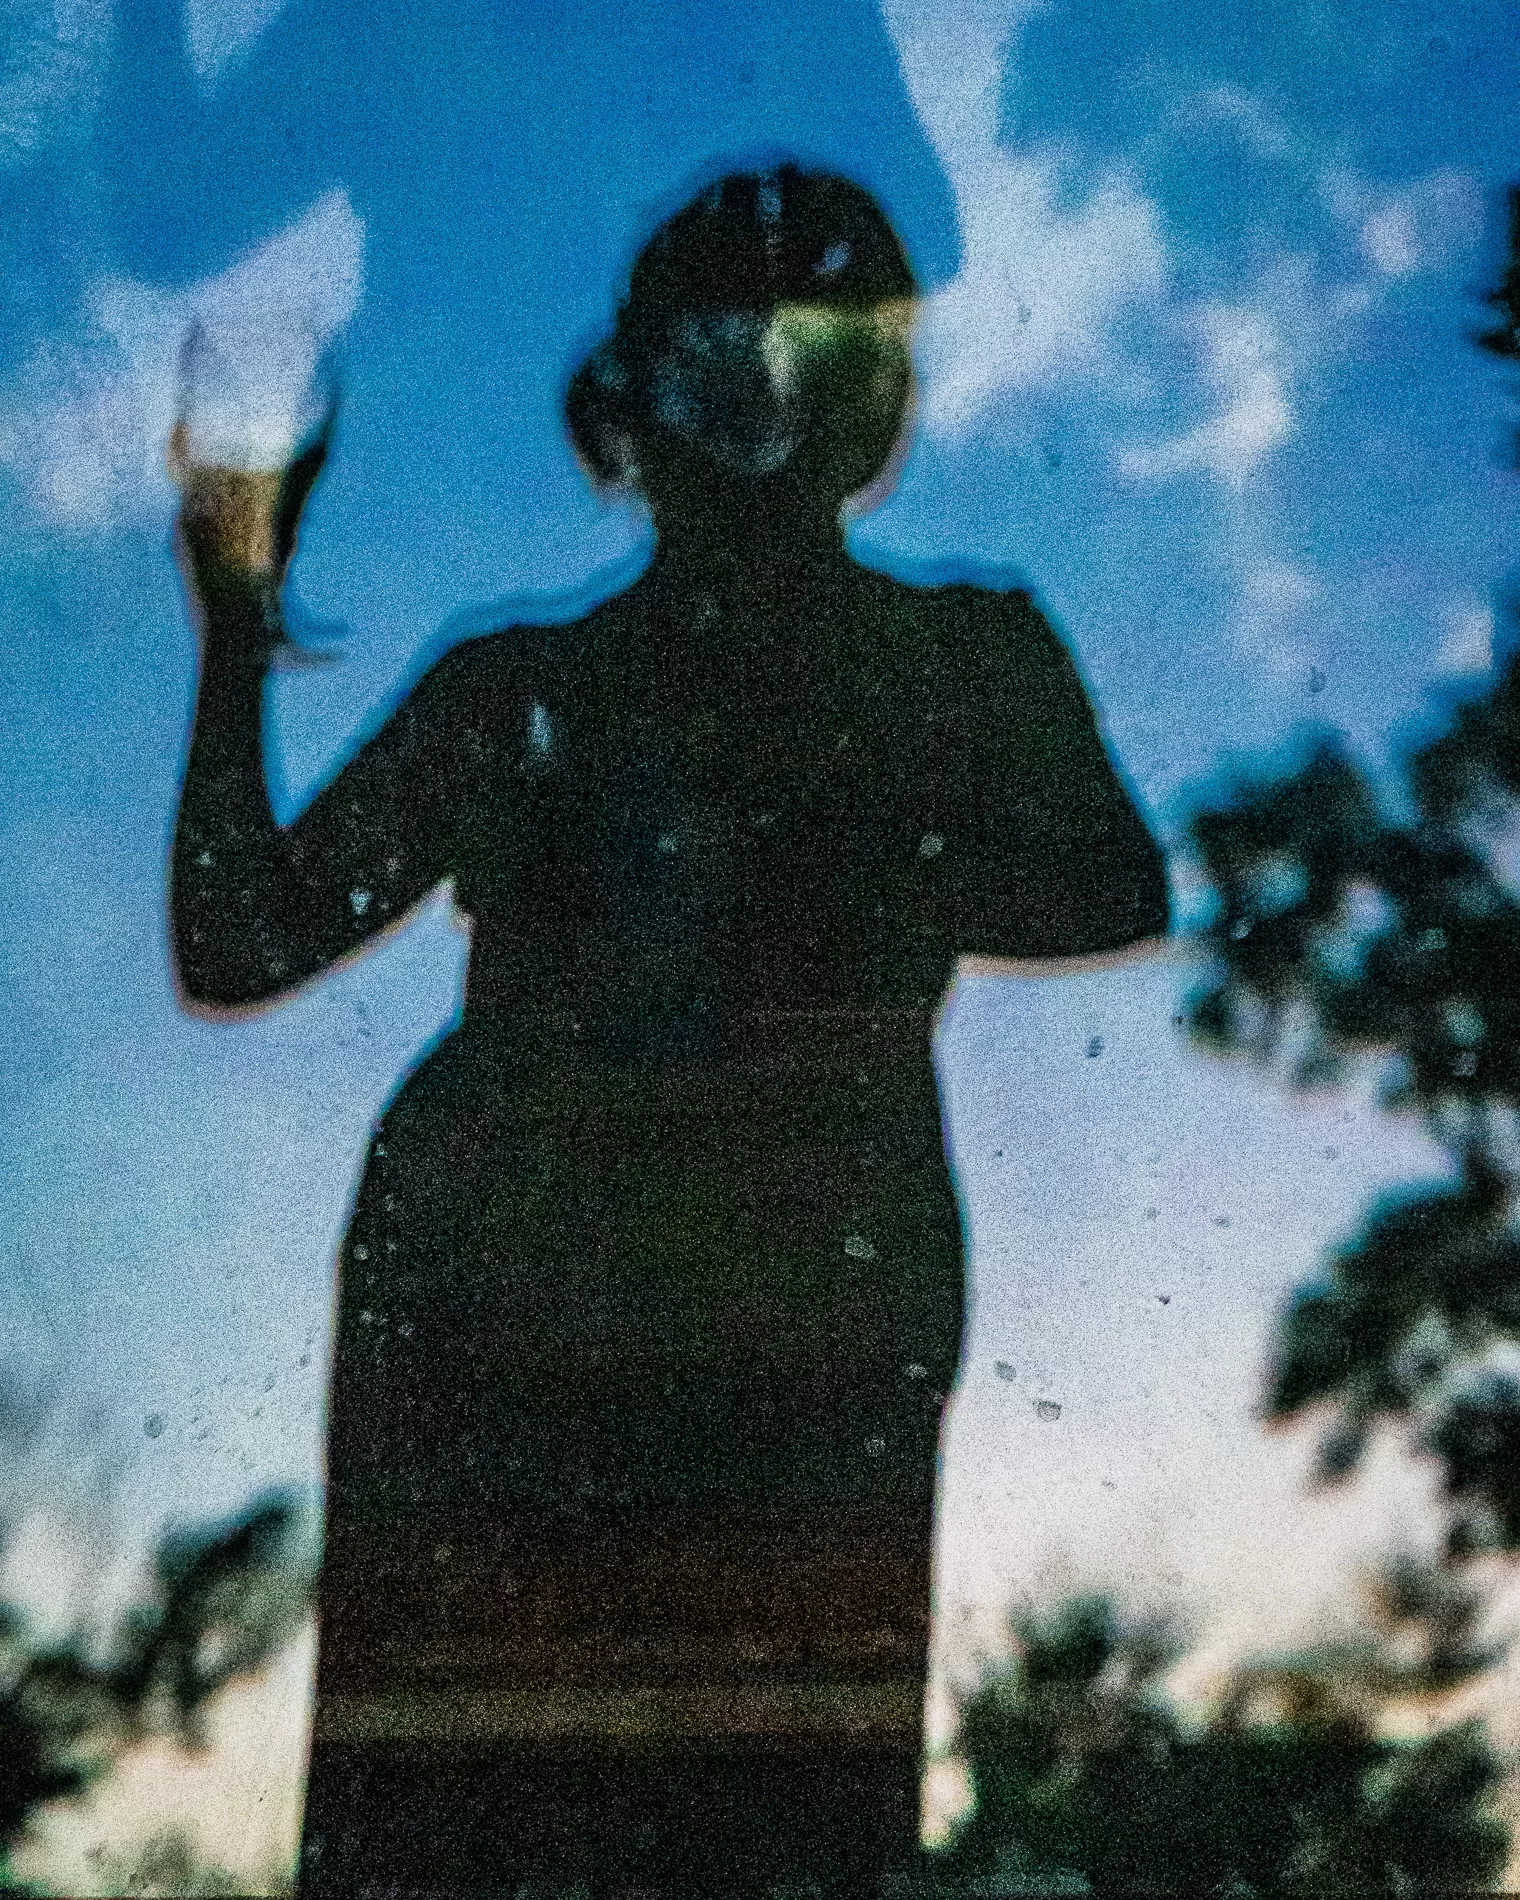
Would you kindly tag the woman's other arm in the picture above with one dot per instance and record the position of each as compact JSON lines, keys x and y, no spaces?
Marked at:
{"x":1067,"y":867}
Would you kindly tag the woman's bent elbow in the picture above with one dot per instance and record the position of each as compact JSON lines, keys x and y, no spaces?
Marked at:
{"x":216,"y":983}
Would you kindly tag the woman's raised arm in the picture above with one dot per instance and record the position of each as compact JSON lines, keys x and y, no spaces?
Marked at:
{"x":256,"y":908}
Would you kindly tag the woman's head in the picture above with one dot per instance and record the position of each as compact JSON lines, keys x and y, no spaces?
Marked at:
{"x":761,"y":350}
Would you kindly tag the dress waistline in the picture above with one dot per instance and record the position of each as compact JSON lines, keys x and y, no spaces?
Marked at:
{"x":826,"y":1040}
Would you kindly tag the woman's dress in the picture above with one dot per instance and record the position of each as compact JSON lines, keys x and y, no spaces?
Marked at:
{"x":653,"y":1291}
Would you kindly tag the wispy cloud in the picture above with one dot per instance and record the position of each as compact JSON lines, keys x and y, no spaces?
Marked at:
{"x":84,"y":425}
{"x":1049,"y":269}
{"x":1065,"y":248}
{"x":53,"y":57}
{"x":219,"y":33}
{"x":1467,"y":643}
{"x":1044,"y":286}
{"x":1271,"y":624}
{"x":1245,"y":367}
{"x":1199,"y":340}
{"x":1409,"y":228}
{"x":1251,"y":359}
{"x":1262,"y":131}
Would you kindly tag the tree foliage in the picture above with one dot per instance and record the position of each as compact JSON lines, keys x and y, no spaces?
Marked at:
{"x":224,"y":1600}
{"x":1358,"y":919}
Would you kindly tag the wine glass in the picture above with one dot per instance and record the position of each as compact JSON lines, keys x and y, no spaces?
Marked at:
{"x":253,"y":421}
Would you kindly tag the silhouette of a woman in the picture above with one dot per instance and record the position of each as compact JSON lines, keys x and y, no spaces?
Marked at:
{"x":652,"y":1292}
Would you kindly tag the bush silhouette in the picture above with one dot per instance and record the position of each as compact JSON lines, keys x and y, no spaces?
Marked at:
{"x":225,"y":1599}
{"x":1087,"y":1779}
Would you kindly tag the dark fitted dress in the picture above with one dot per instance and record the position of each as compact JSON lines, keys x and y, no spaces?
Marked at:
{"x":652,"y":1293}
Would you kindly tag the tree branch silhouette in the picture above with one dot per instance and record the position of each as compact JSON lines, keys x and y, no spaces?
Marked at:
{"x":1359,"y":923}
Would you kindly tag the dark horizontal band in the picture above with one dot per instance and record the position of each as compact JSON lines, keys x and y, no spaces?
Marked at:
{"x":842,"y":1715}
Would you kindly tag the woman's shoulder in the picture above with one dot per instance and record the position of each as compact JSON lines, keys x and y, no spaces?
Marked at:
{"x":980,"y":628}
{"x":525,"y":659}
{"x":952,"y":597}
{"x":491,"y":697}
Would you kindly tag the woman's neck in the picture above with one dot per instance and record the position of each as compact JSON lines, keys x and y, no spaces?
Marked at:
{"x":751,"y":613}
{"x":715,"y":527}
{"x":750,"y":556}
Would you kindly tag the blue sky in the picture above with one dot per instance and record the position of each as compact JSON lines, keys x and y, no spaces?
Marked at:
{"x":1193,"y":362}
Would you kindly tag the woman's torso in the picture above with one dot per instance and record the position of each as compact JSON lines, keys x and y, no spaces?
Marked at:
{"x":728,"y":806}
{"x":668,"y":1217}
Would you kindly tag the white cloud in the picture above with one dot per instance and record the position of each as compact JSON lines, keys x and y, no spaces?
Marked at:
{"x":218,"y":33}
{"x":1047,"y":273}
{"x":1467,"y":645}
{"x":1269,"y":621}
{"x":1042,"y":288}
{"x":953,"y":55}
{"x":1278,"y":589}
{"x":1208,"y":342}
{"x":1259,"y":128}
{"x":1414,"y":227}
{"x":1252,"y":356}
{"x":1401,"y":230}
{"x":84,"y":425}
{"x":53,"y":56}
{"x":1244,"y":363}
{"x":1051,"y":272}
